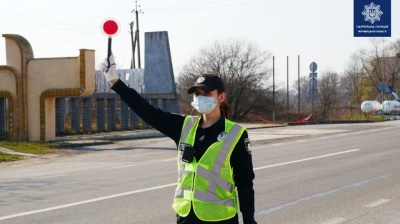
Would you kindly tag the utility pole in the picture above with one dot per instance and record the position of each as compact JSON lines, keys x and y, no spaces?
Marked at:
{"x":133,"y":47}
{"x":287,"y":90}
{"x":273,"y":88}
{"x":313,"y":83}
{"x":298,"y":84}
{"x":137,"y":42}
{"x":353,"y":99}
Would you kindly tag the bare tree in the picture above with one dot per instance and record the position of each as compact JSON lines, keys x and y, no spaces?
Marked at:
{"x":244,"y":68}
{"x":351,"y":84}
{"x":305,"y":97}
{"x":380,"y":63}
{"x":394,"y":48}
{"x":328,"y":98}
{"x":393,"y":63}
{"x":350,"y":91}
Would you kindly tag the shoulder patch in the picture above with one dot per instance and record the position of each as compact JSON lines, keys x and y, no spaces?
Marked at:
{"x":247,"y":145}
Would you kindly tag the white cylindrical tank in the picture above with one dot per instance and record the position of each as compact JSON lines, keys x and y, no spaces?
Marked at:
{"x":390,"y":106}
{"x":370,"y":106}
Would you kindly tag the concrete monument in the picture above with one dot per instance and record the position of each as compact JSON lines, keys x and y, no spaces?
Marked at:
{"x":31,"y":86}
{"x":159,"y":81}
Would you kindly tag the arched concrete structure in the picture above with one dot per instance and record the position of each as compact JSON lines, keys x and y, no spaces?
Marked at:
{"x":31,"y":86}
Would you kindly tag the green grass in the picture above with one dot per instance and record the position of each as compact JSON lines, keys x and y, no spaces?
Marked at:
{"x":8,"y":157}
{"x":36,"y":148}
{"x":361,"y":117}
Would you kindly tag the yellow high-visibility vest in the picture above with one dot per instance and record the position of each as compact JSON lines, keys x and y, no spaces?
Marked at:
{"x":207,"y":184}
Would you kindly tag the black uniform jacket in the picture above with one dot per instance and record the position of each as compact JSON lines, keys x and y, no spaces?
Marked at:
{"x":171,"y":125}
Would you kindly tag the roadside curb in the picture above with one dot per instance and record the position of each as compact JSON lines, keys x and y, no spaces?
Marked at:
{"x":79,"y":141}
{"x":392,"y":119}
{"x":329,"y":122}
{"x":73,"y":141}
{"x":9,"y":151}
{"x":110,"y":137}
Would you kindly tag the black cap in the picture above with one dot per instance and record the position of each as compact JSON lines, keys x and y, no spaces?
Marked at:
{"x":208,"y":83}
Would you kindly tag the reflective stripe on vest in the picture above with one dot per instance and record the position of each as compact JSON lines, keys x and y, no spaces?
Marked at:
{"x":193,"y":192}
{"x":187,"y":126}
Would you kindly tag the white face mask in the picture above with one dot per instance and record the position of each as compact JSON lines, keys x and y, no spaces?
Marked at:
{"x":204,"y":104}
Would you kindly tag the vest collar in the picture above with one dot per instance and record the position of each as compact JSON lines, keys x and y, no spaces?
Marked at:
{"x":216,"y":128}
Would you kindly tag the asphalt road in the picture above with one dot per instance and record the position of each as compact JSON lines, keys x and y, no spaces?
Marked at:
{"x":325,"y":174}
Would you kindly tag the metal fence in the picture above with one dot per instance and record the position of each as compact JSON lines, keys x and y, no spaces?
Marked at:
{"x":99,"y":112}
{"x":3,"y":128}
{"x":102,"y":111}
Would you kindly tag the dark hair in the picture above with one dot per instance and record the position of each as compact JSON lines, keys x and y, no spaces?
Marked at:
{"x":224,"y":108}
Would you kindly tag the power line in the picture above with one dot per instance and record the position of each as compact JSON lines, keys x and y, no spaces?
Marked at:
{"x":83,"y":28}
{"x":43,"y":22}
{"x":214,"y":4}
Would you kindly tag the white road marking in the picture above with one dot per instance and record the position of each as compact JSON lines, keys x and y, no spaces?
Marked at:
{"x":149,"y":189}
{"x":304,"y":140}
{"x":334,"y":221}
{"x":124,"y":166}
{"x":319,"y":195}
{"x":166,"y":160}
{"x":306,"y":159}
{"x":85,"y":202}
{"x":377,"y":203}
{"x":51,"y":176}
{"x":276,"y":144}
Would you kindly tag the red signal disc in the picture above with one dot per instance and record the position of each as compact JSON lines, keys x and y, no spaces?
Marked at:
{"x":110,"y":27}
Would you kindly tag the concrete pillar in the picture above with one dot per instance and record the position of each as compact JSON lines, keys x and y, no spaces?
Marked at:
{"x":144,"y":124}
{"x":87,"y":115}
{"x":2,"y":117}
{"x":101,"y":115}
{"x":75,"y":115}
{"x":158,"y":73}
{"x":111,"y":114}
{"x":124,"y":115}
{"x":60,"y":116}
{"x":133,"y":119}
{"x":160,"y":103}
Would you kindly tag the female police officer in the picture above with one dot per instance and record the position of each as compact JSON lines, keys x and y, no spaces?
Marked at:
{"x":214,"y":153}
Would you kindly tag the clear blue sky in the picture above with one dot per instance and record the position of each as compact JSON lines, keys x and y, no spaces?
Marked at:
{"x":317,"y":30}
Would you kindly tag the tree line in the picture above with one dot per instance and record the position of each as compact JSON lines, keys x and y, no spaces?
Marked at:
{"x":246,"y":70}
